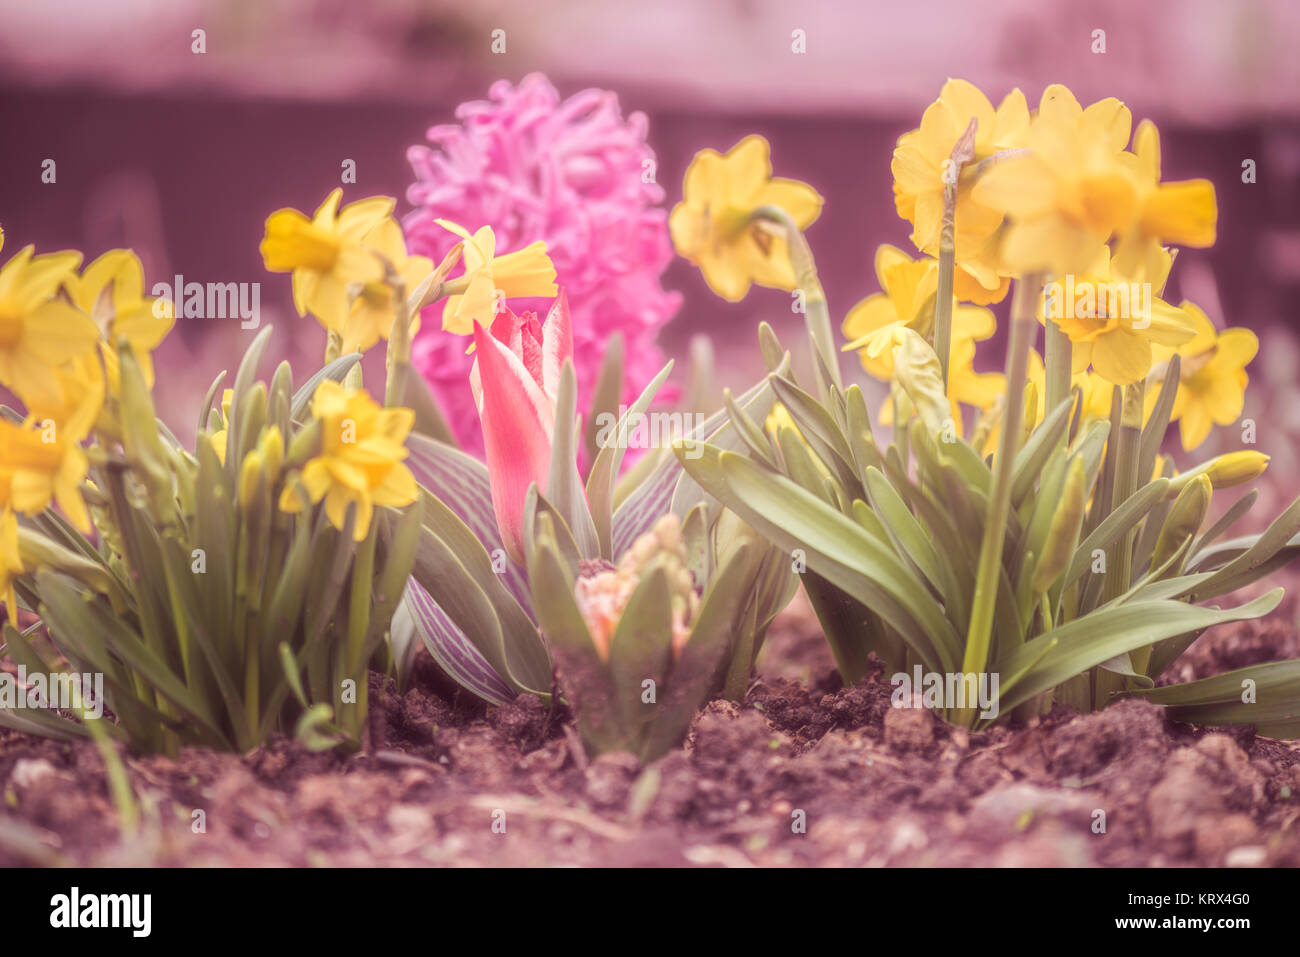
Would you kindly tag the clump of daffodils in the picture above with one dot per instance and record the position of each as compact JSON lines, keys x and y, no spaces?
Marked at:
{"x":1057,"y":547}
{"x":227,"y":591}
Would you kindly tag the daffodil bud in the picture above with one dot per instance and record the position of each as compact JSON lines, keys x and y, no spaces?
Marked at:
{"x":1225,"y":471}
{"x":250,"y":478}
{"x":1063,"y":537}
{"x":271,"y":449}
{"x":1237,"y":467}
{"x":305,"y":445}
{"x":1184,"y":519}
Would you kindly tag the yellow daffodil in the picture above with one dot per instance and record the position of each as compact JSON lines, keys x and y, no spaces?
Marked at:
{"x":43,"y":462}
{"x":711,"y":225}
{"x":40,"y":329}
{"x":1184,"y":213}
{"x":1212,"y":376}
{"x":1112,"y":321}
{"x":81,"y":386}
{"x":874,"y":326}
{"x":527,"y":272}
{"x":11,"y":563}
{"x":325,"y":254}
{"x":1070,"y":191}
{"x":922,"y":167}
{"x":362,"y":448}
{"x":371,"y":316}
{"x":111,"y":291}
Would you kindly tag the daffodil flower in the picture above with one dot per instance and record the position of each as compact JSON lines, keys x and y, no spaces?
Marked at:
{"x":527,"y":272}
{"x":1112,"y":323}
{"x":111,"y":291}
{"x":922,"y":169}
{"x":1212,"y":376}
{"x":40,"y":330}
{"x":325,"y":254}
{"x":711,"y":225}
{"x":371,"y":316}
{"x":874,"y":326}
{"x":44,"y":463}
{"x":1184,"y":213}
{"x":360,"y":464}
{"x":516,"y":379}
{"x":1070,"y":191}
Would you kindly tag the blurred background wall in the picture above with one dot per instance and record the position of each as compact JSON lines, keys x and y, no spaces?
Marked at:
{"x":181,"y":155}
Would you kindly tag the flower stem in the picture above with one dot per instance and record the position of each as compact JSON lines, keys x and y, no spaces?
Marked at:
{"x":1058,"y":359}
{"x":943,"y":298}
{"x":1119,"y":560}
{"x":963,"y":152}
{"x":816,"y":312}
{"x":995,"y":524}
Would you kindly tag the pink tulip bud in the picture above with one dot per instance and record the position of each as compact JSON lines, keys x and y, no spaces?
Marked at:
{"x":515,"y":378}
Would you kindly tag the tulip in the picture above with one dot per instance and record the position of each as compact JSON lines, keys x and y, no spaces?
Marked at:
{"x":516,"y":377}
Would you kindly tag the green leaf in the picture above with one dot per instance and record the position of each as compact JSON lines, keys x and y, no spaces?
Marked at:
{"x":836,"y":548}
{"x":910,"y":540}
{"x":1275,"y":709}
{"x":607,"y":462}
{"x":1115,"y":525}
{"x":1032,"y":458}
{"x":640,"y":650}
{"x":606,"y":397}
{"x":1153,"y":433}
{"x":1088,"y":641}
{"x":564,"y":485}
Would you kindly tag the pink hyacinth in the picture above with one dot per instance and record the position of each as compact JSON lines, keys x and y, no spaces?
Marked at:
{"x":573,"y":174}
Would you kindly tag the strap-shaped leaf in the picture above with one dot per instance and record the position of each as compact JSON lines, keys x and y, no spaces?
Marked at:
{"x":1229,"y":518}
{"x":1261,"y":551}
{"x":459,"y":575}
{"x":564,"y":485}
{"x":1087,"y":642}
{"x":818,"y":427}
{"x":461,"y":483}
{"x":697,"y":673}
{"x":1275,"y":694}
{"x":1032,"y":458}
{"x":1118,"y":522}
{"x":639,"y":650}
{"x":911,"y":540}
{"x":836,"y":548}
{"x":1153,"y":433}
{"x":608,"y":461}
{"x":654,"y":496}
{"x":454,"y":653}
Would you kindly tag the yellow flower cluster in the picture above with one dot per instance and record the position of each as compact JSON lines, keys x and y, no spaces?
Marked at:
{"x":1058,"y":194}
{"x":60,"y":329}
{"x":1066,"y":195}
{"x":338,"y":261}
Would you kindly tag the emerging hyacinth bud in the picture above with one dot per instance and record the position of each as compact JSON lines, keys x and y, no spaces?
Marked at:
{"x":602,"y":594}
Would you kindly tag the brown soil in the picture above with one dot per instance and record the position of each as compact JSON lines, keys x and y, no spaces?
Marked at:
{"x":874,"y":785}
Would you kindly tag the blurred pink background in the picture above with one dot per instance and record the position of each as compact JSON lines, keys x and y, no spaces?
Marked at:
{"x":182,"y":155}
